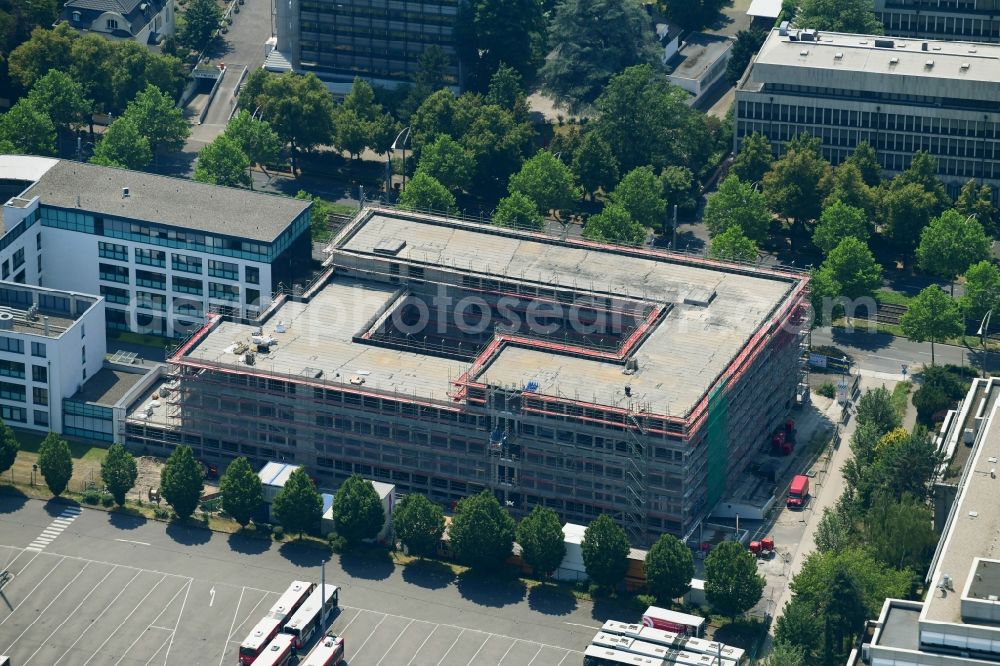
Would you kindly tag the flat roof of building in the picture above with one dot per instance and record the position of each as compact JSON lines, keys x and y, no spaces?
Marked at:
{"x":765,"y":8}
{"x":697,"y":54}
{"x":974,"y":529}
{"x":886,"y":64}
{"x":25,"y":167}
{"x":176,"y":202}
{"x":901,"y":627}
{"x":107,"y":387}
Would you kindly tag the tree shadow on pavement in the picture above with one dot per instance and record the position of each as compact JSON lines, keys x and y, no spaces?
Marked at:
{"x":860,"y":338}
{"x":490,"y":589}
{"x":430,"y":574}
{"x":369,"y":564}
{"x":187,"y":534}
{"x":124,"y":519}
{"x":551,"y":599}
{"x":56,"y":505}
{"x":303,"y":553}
{"x":606,"y":607}
{"x":11,"y":499}
{"x":248,"y":545}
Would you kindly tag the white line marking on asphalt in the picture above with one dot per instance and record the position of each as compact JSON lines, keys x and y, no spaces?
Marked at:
{"x":394,"y":643}
{"x":155,"y":626}
{"x":479,"y":650}
{"x":535,"y":657}
{"x":248,"y":616}
{"x":450,"y":647}
{"x":138,"y":543}
{"x":124,"y":620}
{"x":34,"y":588}
{"x":158,"y":650}
{"x":585,"y":626}
{"x":232,"y":626}
{"x":344,"y":630}
{"x":39,"y":616}
{"x":137,"y":638}
{"x":568,"y":653}
{"x":165,"y":607}
{"x":507,"y":652}
{"x":179,"y":615}
{"x":33,"y":549}
{"x":72,"y":613}
{"x":51,"y":532}
{"x":422,"y":645}
{"x":358,"y":651}
{"x":95,"y":620}
{"x":211,"y":601}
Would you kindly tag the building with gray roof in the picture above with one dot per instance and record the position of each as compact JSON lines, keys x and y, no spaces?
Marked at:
{"x":145,"y":21}
{"x":968,"y":20}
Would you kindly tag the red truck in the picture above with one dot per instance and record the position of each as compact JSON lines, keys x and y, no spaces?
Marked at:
{"x":798,"y":492}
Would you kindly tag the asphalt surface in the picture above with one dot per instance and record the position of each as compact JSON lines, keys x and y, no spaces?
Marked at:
{"x":96,"y":588}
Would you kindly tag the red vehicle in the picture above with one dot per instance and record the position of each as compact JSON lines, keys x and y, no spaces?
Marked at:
{"x":307,"y":618}
{"x":328,"y":652}
{"x":679,"y":623}
{"x":269,"y":626}
{"x":278,"y":652}
{"x":798,"y":492}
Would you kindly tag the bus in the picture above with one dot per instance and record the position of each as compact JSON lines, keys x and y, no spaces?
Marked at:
{"x":307,"y":618}
{"x":676,"y":641}
{"x":278,"y":652}
{"x":328,"y":652}
{"x":271,"y":624}
{"x":602,"y":656}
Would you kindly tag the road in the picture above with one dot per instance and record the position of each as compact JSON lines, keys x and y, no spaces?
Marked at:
{"x":96,"y":588}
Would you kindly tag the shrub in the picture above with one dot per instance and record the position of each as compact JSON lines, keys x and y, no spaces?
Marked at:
{"x":827,"y":390}
{"x":644,"y":601}
{"x":161,"y":513}
{"x":338,"y":544}
{"x":107,"y":500}
{"x":278,"y":532}
{"x":91,"y":497}
{"x":263,"y":528}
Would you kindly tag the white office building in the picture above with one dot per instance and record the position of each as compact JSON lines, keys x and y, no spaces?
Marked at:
{"x":162,"y":251}
{"x":975,"y":20}
{"x":900,"y":95}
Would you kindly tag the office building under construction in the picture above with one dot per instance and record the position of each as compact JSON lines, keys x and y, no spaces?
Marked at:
{"x":448,"y":356}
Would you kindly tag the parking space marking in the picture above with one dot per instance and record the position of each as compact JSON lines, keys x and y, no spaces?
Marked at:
{"x":72,"y":613}
{"x":173,"y":634}
{"x":356,"y":616}
{"x":248,"y":616}
{"x":54,"y":599}
{"x":232,"y":627}
{"x":422,"y":644}
{"x":536,"y":656}
{"x":95,"y":620}
{"x":137,"y":639}
{"x":155,"y":654}
{"x":479,"y":650}
{"x":27,"y":596}
{"x":124,"y":620}
{"x":394,"y":642}
{"x":513,"y":643}
{"x":362,"y":647}
{"x":568,"y":653}
{"x":445,"y":655}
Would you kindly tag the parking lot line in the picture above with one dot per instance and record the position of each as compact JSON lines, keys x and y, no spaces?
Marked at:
{"x":152,"y":625}
{"x":356,"y":615}
{"x":512,"y":644}
{"x":362,"y":647}
{"x":173,"y":634}
{"x":32,"y":589}
{"x":248,"y":616}
{"x":54,"y":599}
{"x":232,"y":627}
{"x":422,"y":645}
{"x":162,"y":645}
{"x":479,"y":650}
{"x":72,"y":613}
{"x":394,"y":642}
{"x":105,"y":610}
{"x":124,"y":620}
{"x":451,"y":646}
{"x":568,"y":653}
{"x":536,"y":656}
{"x":141,"y":635}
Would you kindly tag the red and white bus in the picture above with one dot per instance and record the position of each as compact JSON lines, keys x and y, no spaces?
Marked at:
{"x":328,"y":652}
{"x":668,"y":620}
{"x":306,"y":620}
{"x":278,"y":652}
{"x":271,"y":624}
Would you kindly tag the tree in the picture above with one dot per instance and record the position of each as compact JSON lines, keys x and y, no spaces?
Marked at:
{"x":505,"y":89}
{"x":419,"y":524}
{"x":545,"y":180}
{"x":123,"y":146}
{"x":641,"y":194}
{"x":783,"y":654}
{"x":747,"y":43}
{"x":133,"y":68}
{"x":905,"y":209}
{"x":669,"y":569}
{"x":350,"y":132}
{"x":794,"y":185}
{"x":431,"y":76}
{"x":900,"y":532}
{"x":865,"y":159}
{"x":591,"y":41}
{"x":982,"y":290}
{"x":91,"y":66}
{"x":181,"y":481}
{"x":605,"y":551}
{"x":837,"y":222}
{"x":732,"y":584}
{"x":424,"y":192}
{"x":692,"y":14}
{"x":8,"y":447}
{"x":614,"y":225}
{"x":119,"y":472}
{"x":517,"y":211}
{"x":482,"y":532}
{"x":357,"y":510}
{"x":201,"y":20}
{"x":732,"y":245}
{"x":494,"y":33}
{"x":738,"y":204}
{"x":55,"y":463}
{"x":950,"y":244}
{"x":242,"y":491}
{"x":222,"y":162}
{"x":543,"y":544}
{"x":852,"y":268}
{"x":933,"y":316}
{"x":321,"y":212}
{"x":60,"y":98}
{"x":833,"y":532}
{"x":875,"y":409}
{"x":754,"y":159}
{"x":158,"y":119}
{"x":839,"y":16}
{"x":679,"y":189}
{"x":978,"y":202}
{"x":298,"y":506}
{"x":847,"y":185}
{"x":28,"y":130}
{"x":800,"y":630}
{"x":45,"y":50}
{"x":255,"y":138}
{"x":923,"y":172}
{"x":448,"y":162}
{"x":594,"y":165}
{"x":300,"y":110}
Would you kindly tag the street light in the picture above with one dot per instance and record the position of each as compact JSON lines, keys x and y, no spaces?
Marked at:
{"x":401,"y":140}
{"x":983,"y":328}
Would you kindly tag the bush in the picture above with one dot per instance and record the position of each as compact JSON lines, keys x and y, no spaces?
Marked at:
{"x":644,"y":601}
{"x":92,"y":497}
{"x":929,"y":400}
{"x":278,"y":532}
{"x":827,"y":390}
{"x":338,"y":544}
{"x":107,"y":500}
{"x":161,"y":513}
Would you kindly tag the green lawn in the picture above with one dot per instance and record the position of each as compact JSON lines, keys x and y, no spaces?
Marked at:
{"x":890,"y":297}
{"x":87,"y":459}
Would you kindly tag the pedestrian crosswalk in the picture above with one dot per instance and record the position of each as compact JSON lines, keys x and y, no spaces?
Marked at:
{"x":65,"y":518}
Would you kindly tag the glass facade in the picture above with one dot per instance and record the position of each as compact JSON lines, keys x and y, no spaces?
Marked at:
{"x":115,"y":295}
{"x":150,"y":279}
{"x":223,"y":269}
{"x":112,"y":273}
{"x":12,"y":345}
{"x":185,"y":263}
{"x":87,"y":420}
{"x":148,"y":257}
{"x":11,"y":369}
{"x":112,"y":251}
{"x":187,"y":285}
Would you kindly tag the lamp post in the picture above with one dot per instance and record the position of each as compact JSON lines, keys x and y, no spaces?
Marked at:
{"x":401,"y":140}
{"x":983,"y":328}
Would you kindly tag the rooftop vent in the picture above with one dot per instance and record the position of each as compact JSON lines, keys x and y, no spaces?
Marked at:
{"x":783,"y":29}
{"x":929,"y":64}
{"x":964,"y":65}
{"x":390,"y":247}
{"x":699,"y":296}
{"x":804,"y":52}
{"x":923,"y":46}
{"x":839,"y":55}
{"x":6,"y":321}
{"x":972,"y":49}
{"x":885,"y":43}
{"x":809,"y":35}
{"x":893,"y":61}
{"x":124,"y":193}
